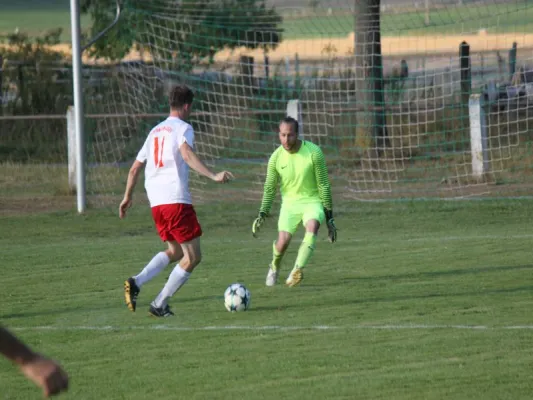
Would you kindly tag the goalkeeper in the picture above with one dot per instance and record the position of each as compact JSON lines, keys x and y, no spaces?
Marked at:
{"x":298,"y":166}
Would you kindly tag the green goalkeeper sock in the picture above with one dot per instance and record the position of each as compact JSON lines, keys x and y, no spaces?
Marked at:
{"x":276,"y":257}
{"x":306,"y":250}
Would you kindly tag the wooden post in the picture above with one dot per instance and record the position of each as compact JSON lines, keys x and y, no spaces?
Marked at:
{"x":466,"y":73}
{"x":267,"y":67}
{"x":512,"y":61}
{"x":1,"y":83}
{"x":297,"y":73}
{"x":247,"y":70}
{"x":22,"y":89}
{"x":500,"y":65}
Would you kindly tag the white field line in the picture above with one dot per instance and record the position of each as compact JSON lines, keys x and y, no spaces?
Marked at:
{"x":392,"y":240}
{"x":473,"y":237}
{"x":62,"y":328}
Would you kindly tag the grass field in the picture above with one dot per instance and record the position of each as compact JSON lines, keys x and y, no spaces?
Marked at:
{"x":417,"y":300}
{"x":37,"y":16}
{"x":494,"y":18}
{"x":36,"y":22}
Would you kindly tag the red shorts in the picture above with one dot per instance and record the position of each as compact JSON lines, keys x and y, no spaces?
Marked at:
{"x":176,"y":222}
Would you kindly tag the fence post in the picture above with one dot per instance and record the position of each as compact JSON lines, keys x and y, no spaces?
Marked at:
{"x":267,"y":67}
{"x":297,"y":85}
{"x":71,"y":148}
{"x":22,"y":87}
{"x":466,"y":76}
{"x":247,"y":70}
{"x":1,"y":82}
{"x":478,"y":137}
{"x":512,"y":61}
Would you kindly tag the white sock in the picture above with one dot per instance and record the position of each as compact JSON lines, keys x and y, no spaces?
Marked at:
{"x":177,"y":279}
{"x":154,"y":267}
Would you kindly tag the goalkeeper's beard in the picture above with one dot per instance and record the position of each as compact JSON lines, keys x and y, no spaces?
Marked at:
{"x":290,"y":148}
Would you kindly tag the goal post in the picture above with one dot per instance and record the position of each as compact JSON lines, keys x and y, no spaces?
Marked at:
{"x":454,"y":122}
{"x":72,"y":154}
{"x":75,"y":115}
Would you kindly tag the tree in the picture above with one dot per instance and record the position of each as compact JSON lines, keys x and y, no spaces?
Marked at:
{"x":35,"y":79}
{"x":371,"y":123}
{"x":313,"y":4}
{"x":32,"y":69}
{"x":188,"y":31}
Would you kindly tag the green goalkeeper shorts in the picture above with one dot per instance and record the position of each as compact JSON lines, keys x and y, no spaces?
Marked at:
{"x":292,"y":214}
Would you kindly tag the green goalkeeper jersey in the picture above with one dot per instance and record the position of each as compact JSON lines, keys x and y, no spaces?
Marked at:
{"x":302,"y":177}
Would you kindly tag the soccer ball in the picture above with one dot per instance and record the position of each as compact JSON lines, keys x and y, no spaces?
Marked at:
{"x":237,"y":297}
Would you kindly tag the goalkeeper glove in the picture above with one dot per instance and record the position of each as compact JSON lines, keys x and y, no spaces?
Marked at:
{"x":257,"y":223}
{"x":332,"y":229}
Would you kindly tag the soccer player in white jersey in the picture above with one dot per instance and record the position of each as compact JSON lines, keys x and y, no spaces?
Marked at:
{"x":168,"y":153}
{"x":298,"y":166}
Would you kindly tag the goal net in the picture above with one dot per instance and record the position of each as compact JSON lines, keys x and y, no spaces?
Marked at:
{"x":395,"y":125}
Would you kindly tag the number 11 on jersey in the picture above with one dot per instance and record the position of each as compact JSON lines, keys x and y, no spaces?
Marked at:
{"x":158,"y":152}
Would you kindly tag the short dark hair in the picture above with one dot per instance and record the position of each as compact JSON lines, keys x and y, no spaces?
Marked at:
{"x":292,"y":121}
{"x":179,"y":96}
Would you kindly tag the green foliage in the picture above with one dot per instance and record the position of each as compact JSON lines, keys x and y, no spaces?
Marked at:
{"x":185,"y":33}
{"x":36,"y":82}
{"x":31,"y":71}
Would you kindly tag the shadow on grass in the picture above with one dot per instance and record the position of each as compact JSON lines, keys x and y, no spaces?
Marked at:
{"x":427,"y":296}
{"x":452,"y":272}
{"x":142,"y":307}
{"x":386,"y":299}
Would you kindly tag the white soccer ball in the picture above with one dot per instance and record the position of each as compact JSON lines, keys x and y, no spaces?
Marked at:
{"x":237,"y":297}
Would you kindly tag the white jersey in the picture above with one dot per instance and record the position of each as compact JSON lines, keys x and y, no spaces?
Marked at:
{"x":167,"y":174}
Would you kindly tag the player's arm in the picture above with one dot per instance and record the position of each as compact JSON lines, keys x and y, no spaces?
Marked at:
{"x":324,"y":191}
{"x":13,"y":349}
{"x":193,"y":161}
{"x":271,"y":184}
{"x":41,"y":370}
{"x":322,"y":179}
{"x":133,"y":177}
{"x":186,"y":143}
{"x":269,"y":193}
